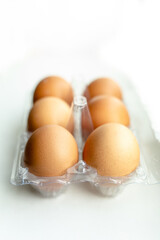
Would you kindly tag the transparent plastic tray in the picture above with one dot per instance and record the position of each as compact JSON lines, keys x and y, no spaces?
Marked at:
{"x":148,"y":172}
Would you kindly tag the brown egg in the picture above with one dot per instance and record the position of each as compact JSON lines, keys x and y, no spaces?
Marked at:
{"x":107,"y":109}
{"x":50,"y":151}
{"x":113,"y":150}
{"x":49,"y":110}
{"x":103,"y":86}
{"x":56,"y":87}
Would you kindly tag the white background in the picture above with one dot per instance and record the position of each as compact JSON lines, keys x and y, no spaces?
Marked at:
{"x":39,"y":38}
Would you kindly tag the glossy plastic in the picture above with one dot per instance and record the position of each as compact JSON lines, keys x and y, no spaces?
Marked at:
{"x":148,"y":172}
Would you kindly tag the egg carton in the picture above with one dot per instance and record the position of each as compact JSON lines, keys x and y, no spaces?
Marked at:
{"x":148,"y":171}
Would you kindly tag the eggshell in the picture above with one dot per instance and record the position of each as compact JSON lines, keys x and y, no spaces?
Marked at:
{"x":50,"y":151}
{"x":103,"y":86}
{"x":107,"y":109}
{"x":113,"y":150}
{"x":54,"y":86}
{"x":49,"y":110}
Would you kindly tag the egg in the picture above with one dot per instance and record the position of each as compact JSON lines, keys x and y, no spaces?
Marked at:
{"x":49,"y":110}
{"x":54,"y":86}
{"x":107,"y":109}
{"x":50,"y":151}
{"x":113,"y":150}
{"x":103,"y":86}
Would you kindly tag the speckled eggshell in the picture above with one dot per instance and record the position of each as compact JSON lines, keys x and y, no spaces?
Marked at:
{"x":103,"y":86}
{"x":50,"y":151}
{"x":54,"y":86}
{"x":107,"y":109}
{"x":113,"y":150}
{"x":49,"y":110}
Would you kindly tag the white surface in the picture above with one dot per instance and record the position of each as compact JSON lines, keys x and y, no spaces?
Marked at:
{"x":129,"y":42}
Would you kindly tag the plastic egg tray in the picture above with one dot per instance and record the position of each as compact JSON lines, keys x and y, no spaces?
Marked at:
{"x":148,"y":172}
